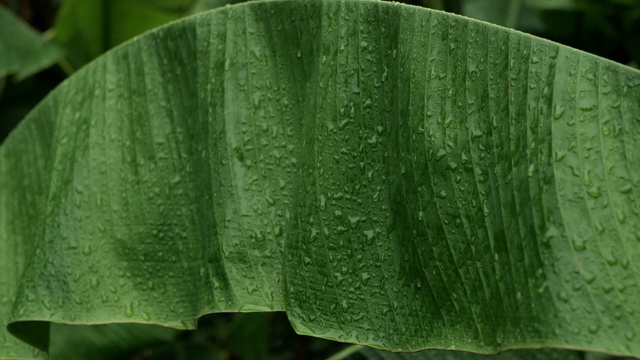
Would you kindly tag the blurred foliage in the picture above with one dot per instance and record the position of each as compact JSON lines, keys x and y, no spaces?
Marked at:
{"x":204,"y":5}
{"x":260,"y":336}
{"x":26,"y":51}
{"x":242,"y":336}
{"x":88,"y":28}
{"x":607,"y":28}
{"x":610,"y":32}
{"x":111,"y":342}
{"x":17,"y":99}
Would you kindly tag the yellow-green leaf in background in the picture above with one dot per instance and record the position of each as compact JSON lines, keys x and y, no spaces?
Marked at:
{"x":88,"y":28}
{"x":23,"y":51}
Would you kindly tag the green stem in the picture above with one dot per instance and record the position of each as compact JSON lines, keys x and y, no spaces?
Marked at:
{"x":514,"y":14}
{"x":66,"y":66}
{"x":344,"y":353}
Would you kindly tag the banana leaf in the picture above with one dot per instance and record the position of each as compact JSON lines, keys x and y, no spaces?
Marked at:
{"x":388,"y":175}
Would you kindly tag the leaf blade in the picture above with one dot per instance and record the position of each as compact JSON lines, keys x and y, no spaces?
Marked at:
{"x":335,"y":139}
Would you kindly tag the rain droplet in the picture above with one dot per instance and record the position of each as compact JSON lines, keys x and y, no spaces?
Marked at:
{"x":551,"y":233}
{"x":578,"y":244}
{"x":559,"y":155}
{"x":587,"y":107}
{"x":485,"y":209}
{"x":563,"y":297}
{"x":543,"y":287}
{"x":369,"y":236}
{"x":86,"y":251}
{"x":589,"y":278}
{"x":441,"y":154}
{"x":362,"y":337}
{"x":314,"y":235}
{"x":175,"y":180}
{"x":448,"y":121}
{"x":499,"y":336}
{"x":47,"y":304}
{"x":625,"y":189}
{"x":128,"y":312}
{"x":94,"y":283}
{"x":345,"y":305}
{"x":558,"y":111}
{"x":364,"y":277}
{"x":464,"y":157}
{"x":594,"y":192}
{"x":625,"y":263}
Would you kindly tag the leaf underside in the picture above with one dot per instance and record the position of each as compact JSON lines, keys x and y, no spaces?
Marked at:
{"x":388,"y":175}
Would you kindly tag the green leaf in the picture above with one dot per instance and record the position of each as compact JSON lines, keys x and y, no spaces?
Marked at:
{"x":541,"y":354}
{"x":104,"y":341}
{"x":204,"y":5}
{"x":89,"y":28}
{"x":555,"y":4}
{"x":248,"y":339}
{"x":23,"y":51}
{"x":501,"y":12}
{"x":388,"y":175}
{"x":576,"y":5}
